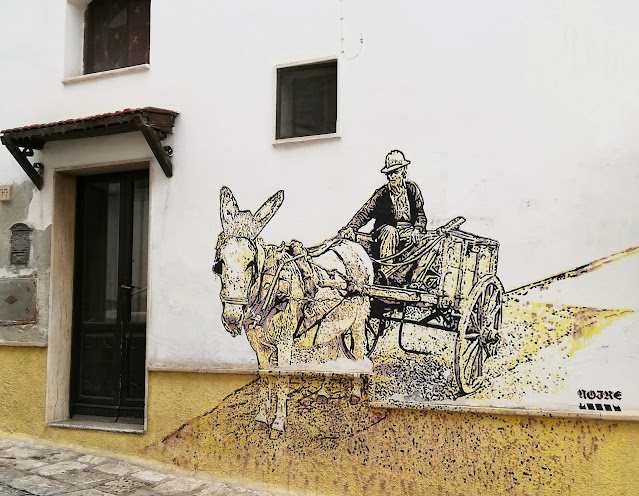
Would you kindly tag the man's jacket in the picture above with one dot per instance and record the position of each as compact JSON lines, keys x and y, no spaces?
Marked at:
{"x":380,"y":208}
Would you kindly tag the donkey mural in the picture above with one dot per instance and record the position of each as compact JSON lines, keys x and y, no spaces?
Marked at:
{"x":280,"y":293}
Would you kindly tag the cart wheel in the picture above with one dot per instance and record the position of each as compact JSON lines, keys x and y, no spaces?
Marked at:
{"x":478,"y":332}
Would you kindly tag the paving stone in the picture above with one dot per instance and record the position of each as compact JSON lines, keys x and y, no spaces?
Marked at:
{"x":38,"y":485}
{"x":58,"y":456}
{"x":26,"y":465}
{"x":218,"y":489}
{"x":121,"y":486}
{"x":215,"y":490}
{"x":87,"y":492}
{"x":92,"y":459}
{"x":114,"y":468}
{"x":7,"y":461}
{"x":6,"y":443}
{"x":178,"y":486}
{"x":150,"y":476}
{"x":60,"y":468}
{"x":10,"y":491}
{"x":85,"y":479}
{"x":9,"y":472}
{"x":20,"y":452}
{"x":144,"y":492}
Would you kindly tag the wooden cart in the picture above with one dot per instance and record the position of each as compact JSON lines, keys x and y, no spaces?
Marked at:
{"x":451,"y":276}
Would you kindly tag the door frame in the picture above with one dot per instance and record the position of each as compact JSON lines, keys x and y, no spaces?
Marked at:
{"x":63,"y":202}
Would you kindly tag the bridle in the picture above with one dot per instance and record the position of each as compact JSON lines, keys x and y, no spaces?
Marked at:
{"x":235,"y":300}
{"x":239,"y":300}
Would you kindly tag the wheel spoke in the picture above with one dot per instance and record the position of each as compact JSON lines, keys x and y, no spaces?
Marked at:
{"x":477,"y":355}
{"x":479,"y":305}
{"x":474,"y":322}
{"x":492,"y":313}
{"x":490,"y":290}
{"x":469,"y":356}
{"x":490,"y":308}
{"x":480,"y":361}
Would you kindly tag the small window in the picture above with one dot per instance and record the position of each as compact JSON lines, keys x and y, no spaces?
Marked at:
{"x":116,"y":34}
{"x":306,"y":100}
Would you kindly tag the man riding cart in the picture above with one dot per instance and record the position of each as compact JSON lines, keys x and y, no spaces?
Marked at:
{"x":400,"y":223}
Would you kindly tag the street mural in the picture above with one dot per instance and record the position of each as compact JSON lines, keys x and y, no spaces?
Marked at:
{"x":355,"y":335}
{"x":417,"y":317}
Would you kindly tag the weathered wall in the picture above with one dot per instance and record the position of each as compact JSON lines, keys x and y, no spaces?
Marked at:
{"x":12,"y":212}
{"x":398,"y":452}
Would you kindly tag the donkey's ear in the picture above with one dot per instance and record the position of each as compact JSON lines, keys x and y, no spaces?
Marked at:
{"x":267,"y":211}
{"x":228,"y":206}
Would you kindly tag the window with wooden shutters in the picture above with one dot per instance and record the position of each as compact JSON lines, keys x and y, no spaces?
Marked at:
{"x":116,"y":34}
{"x":306,"y":100}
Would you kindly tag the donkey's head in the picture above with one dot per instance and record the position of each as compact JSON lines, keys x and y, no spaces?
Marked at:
{"x":236,"y":255}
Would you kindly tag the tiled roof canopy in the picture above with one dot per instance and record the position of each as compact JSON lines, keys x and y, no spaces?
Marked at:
{"x":154,"y":123}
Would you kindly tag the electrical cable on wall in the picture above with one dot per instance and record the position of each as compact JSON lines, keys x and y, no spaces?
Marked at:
{"x":361,"y":36}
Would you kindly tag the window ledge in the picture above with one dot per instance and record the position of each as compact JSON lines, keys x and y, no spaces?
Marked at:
{"x":301,"y":139}
{"x":106,"y":74}
{"x":106,"y":424}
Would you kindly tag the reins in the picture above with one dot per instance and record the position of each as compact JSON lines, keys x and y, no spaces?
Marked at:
{"x":416,"y":255}
{"x":394,"y":255}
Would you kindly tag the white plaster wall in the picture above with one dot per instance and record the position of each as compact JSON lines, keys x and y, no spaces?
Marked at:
{"x":520,"y":115}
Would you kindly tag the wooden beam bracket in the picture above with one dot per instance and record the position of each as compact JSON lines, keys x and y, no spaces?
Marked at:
{"x":162,"y":153}
{"x":34,"y":171}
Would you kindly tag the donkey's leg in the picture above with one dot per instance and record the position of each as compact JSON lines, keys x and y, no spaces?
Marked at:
{"x":264,"y":401}
{"x":358,"y":329}
{"x":322,"y":395}
{"x":359,"y":348}
{"x":356,"y":393}
{"x":284,"y":350}
{"x":283,"y":325}
{"x":279,"y":422}
{"x":264,"y":353}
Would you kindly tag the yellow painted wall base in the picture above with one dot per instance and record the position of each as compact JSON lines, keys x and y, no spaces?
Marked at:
{"x":373,"y":451}
{"x":174,"y":398}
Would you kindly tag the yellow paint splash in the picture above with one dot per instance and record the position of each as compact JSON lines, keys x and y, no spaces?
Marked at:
{"x":589,"y":322}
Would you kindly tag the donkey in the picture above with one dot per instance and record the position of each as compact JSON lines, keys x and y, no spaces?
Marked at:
{"x":277,"y":293}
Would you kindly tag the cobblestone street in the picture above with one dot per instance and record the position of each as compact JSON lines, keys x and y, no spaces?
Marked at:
{"x":31,"y":469}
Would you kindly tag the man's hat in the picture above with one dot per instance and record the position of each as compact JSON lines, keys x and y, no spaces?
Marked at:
{"x":394,"y":160}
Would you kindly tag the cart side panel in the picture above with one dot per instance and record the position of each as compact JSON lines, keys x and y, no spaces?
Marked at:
{"x":466,"y":258}
{"x":468,"y":269}
{"x":451,"y":265}
{"x":487,"y":259}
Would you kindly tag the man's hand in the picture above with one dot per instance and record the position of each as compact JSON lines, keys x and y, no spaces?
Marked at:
{"x":416,"y":236}
{"x":347,"y":233}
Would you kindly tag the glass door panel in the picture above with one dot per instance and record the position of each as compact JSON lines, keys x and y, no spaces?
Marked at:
{"x":100,"y":261}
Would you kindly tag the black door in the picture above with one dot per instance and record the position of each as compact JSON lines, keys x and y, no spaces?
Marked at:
{"x":109,"y":310}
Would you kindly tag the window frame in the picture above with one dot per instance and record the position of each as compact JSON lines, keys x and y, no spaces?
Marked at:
{"x":74,"y":47}
{"x":276,"y":92}
{"x":92,"y":20}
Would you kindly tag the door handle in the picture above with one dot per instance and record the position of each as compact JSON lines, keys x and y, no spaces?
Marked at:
{"x":124,"y":286}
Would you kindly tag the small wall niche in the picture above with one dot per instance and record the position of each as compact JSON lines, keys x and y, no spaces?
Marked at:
{"x":20,"y":244}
